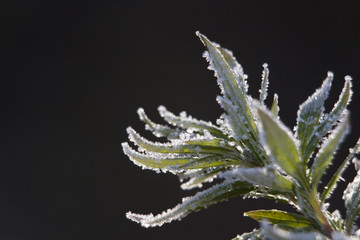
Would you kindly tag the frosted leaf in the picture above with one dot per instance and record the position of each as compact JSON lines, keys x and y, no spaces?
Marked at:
{"x":352,"y":202}
{"x":279,"y":142}
{"x":227,"y":81}
{"x":197,"y":145}
{"x":175,"y":163}
{"x":157,"y":129}
{"x":327,"y":150}
{"x":240,"y":130}
{"x":197,"y":178}
{"x":155,"y":162}
{"x":209,"y":161}
{"x":276,"y":233}
{"x":235,"y":67}
{"x":327,"y":123}
{"x":310,"y":112}
{"x":256,"y":234}
{"x":204,"y":199}
{"x":337,"y":176}
{"x":263,"y":177}
{"x":264,"y":84}
{"x":190,"y":123}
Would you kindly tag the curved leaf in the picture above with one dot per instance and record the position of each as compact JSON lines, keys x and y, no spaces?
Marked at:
{"x":157,"y":129}
{"x":189,"y":123}
{"x":310,"y":112}
{"x":196,"y":145}
{"x":278,"y":217}
{"x":175,"y":162}
{"x":228,"y":82}
{"x":330,"y":120}
{"x":334,"y":179}
{"x":280,"y":142}
{"x":327,"y":151}
{"x":198,"y":177}
{"x":211,"y":196}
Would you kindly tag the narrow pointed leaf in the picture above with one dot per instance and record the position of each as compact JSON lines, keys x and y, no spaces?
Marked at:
{"x":337,"y":175}
{"x":280,"y":143}
{"x":154,"y":162}
{"x":228,"y":82}
{"x":189,"y":123}
{"x":209,"y":161}
{"x":278,"y":217}
{"x":235,"y":67}
{"x":200,"y":145}
{"x":240,"y":132}
{"x":204,"y":199}
{"x":330,"y":120}
{"x":264,"y":84}
{"x":175,"y":162}
{"x":157,"y":129}
{"x":327,"y":151}
{"x":197,"y":178}
{"x":275,"y":106}
{"x":310,"y":112}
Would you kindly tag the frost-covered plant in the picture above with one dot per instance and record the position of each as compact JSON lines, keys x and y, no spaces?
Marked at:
{"x":256,"y":155}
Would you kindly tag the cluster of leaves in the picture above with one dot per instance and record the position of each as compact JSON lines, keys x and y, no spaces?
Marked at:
{"x":255,"y":155}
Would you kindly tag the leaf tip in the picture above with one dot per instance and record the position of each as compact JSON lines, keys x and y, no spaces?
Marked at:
{"x":348,"y":78}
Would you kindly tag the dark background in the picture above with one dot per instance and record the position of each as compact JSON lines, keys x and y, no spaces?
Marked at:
{"x":74,"y":73}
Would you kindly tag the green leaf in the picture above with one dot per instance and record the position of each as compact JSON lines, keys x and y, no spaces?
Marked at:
{"x":241,"y":133}
{"x":330,"y":120}
{"x":230,"y":86}
{"x":197,"y":146}
{"x":235,"y":67}
{"x":334,"y":179}
{"x":275,"y":106}
{"x":189,"y":123}
{"x":281,"y":143}
{"x":278,"y":217}
{"x":176,"y":162}
{"x":204,"y":199}
{"x":310,"y":113}
{"x":198,"y":177}
{"x":157,"y":129}
{"x":327,"y":151}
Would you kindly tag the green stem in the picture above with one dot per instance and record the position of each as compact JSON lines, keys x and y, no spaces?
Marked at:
{"x":311,"y":196}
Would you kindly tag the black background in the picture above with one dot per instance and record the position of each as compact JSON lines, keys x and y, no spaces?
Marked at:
{"x":74,"y":73}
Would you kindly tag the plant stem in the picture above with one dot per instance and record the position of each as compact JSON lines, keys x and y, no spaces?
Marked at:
{"x":314,"y":202}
